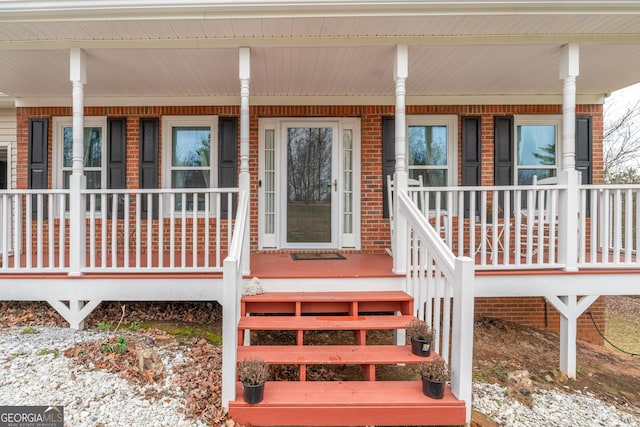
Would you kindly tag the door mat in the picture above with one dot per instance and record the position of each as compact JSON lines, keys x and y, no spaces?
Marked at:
{"x":304,"y":256}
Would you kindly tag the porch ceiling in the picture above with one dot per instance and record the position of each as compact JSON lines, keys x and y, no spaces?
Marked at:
{"x":345,"y":53}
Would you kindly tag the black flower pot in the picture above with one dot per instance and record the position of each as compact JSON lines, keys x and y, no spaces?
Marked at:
{"x":420,"y":347}
{"x":433,"y":389}
{"x":253,"y":393}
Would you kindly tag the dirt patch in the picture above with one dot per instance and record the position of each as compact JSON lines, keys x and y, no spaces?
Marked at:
{"x":502,"y":347}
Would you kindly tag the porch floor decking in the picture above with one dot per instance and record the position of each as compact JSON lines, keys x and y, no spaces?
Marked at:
{"x":355,"y":265}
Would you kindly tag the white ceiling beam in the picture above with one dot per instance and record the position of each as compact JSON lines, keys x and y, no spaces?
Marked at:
{"x":235,"y":43}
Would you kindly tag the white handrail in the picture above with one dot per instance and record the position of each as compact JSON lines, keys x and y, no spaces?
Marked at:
{"x":439,"y":282}
{"x":231,"y":294}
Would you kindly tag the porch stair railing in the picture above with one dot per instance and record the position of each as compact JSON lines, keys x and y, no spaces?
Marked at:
{"x":443,"y":289}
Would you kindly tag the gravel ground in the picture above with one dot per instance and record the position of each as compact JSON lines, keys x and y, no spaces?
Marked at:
{"x":550,"y":409}
{"x":33,"y":371}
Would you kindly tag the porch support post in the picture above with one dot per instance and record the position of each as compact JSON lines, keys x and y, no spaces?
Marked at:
{"x":570,"y":308}
{"x":77,"y":181}
{"x":462,"y":334}
{"x":400,"y":74}
{"x":568,"y":200}
{"x":244,"y":178}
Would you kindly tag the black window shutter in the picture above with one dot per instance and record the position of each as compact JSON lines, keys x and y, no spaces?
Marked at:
{"x":388,"y":158}
{"x":503,"y":155}
{"x":38,"y":157}
{"x":227,"y":158}
{"x":117,"y":158}
{"x":503,"y":150}
{"x":583,"y":148}
{"x":471,"y":156}
{"x":584,"y":156}
{"x":38,"y":153}
{"x":149,"y":161}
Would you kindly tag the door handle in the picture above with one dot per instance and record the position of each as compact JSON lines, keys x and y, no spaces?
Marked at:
{"x":335,"y":185}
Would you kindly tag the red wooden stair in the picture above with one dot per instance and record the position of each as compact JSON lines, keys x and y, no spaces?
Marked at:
{"x":337,"y":403}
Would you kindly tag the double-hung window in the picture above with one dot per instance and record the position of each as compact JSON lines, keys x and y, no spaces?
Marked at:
{"x":93,"y":156}
{"x":190,"y":158}
{"x":536,"y":147}
{"x":431,"y":153}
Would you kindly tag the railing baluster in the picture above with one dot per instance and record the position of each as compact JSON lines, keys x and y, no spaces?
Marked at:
{"x":183,"y":230}
{"x":636,"y":224}
{"x":218,"y":221}
{"x":125,"y":229}
{"x":207,"y":218}
{"x":103,"y":230}
{"x":40,"y":230}
{"x":172,"y":231}
{"x":62,"y":203}
{"x":6,"y":227}
{"x":472,"y":225}
{"x":137,"y":229}
{"x":161,"y":205}
{"x":114,"y":231}
{"x":617,"y":226}
{"x":194,"y":228}
{"x":150,"y":229}
{"x":92,"y":230}
{"x":628,"y":228}
{"x":29,"y":226}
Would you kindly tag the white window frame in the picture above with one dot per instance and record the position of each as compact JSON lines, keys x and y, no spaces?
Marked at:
{"x":451,"y":122}
{"x":59,"y":123}
{"x":168,"y":123}
{"x":539,"y":120}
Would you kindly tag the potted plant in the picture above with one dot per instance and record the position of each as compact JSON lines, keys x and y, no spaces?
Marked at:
{"x":253,"y":373}
{"x":435,"y":374}
{"x":420,"y":335}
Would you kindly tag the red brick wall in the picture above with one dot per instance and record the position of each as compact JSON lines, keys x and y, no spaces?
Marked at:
{"x":537,"y":312}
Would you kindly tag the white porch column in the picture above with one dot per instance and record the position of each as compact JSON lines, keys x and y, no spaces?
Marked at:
{"x":77,"y":181}
{"x":400,"y":74}
{"x":568,"y":200}
{"x":244,"y":178}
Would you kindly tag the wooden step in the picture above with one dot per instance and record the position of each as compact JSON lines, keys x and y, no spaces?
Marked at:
{"x":353,"y":303}
{"x":332,"y":354}
{"x":323,"y":323}
{"x":349,"y":403}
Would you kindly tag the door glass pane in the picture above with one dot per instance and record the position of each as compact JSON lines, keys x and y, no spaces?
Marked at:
{"x":309,"y":185}
{"x":347,"y":189}
{"x":269,"y":181}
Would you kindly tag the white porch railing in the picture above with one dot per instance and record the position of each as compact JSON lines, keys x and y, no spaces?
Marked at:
{"x":439,"y":284}
{"x":610,"y":226}
{"x":231,"y":295}
{"x":500,"y":226}
{"x":33,"y":231}
{"x":127,"y":230}
{"x":158,"y":230}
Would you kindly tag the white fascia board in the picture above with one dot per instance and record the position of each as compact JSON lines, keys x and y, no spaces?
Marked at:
{"x":310,"y":100}
{"x":170,"y":9}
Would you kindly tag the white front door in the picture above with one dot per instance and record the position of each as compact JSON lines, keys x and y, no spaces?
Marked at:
{"x":306,"y":178}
